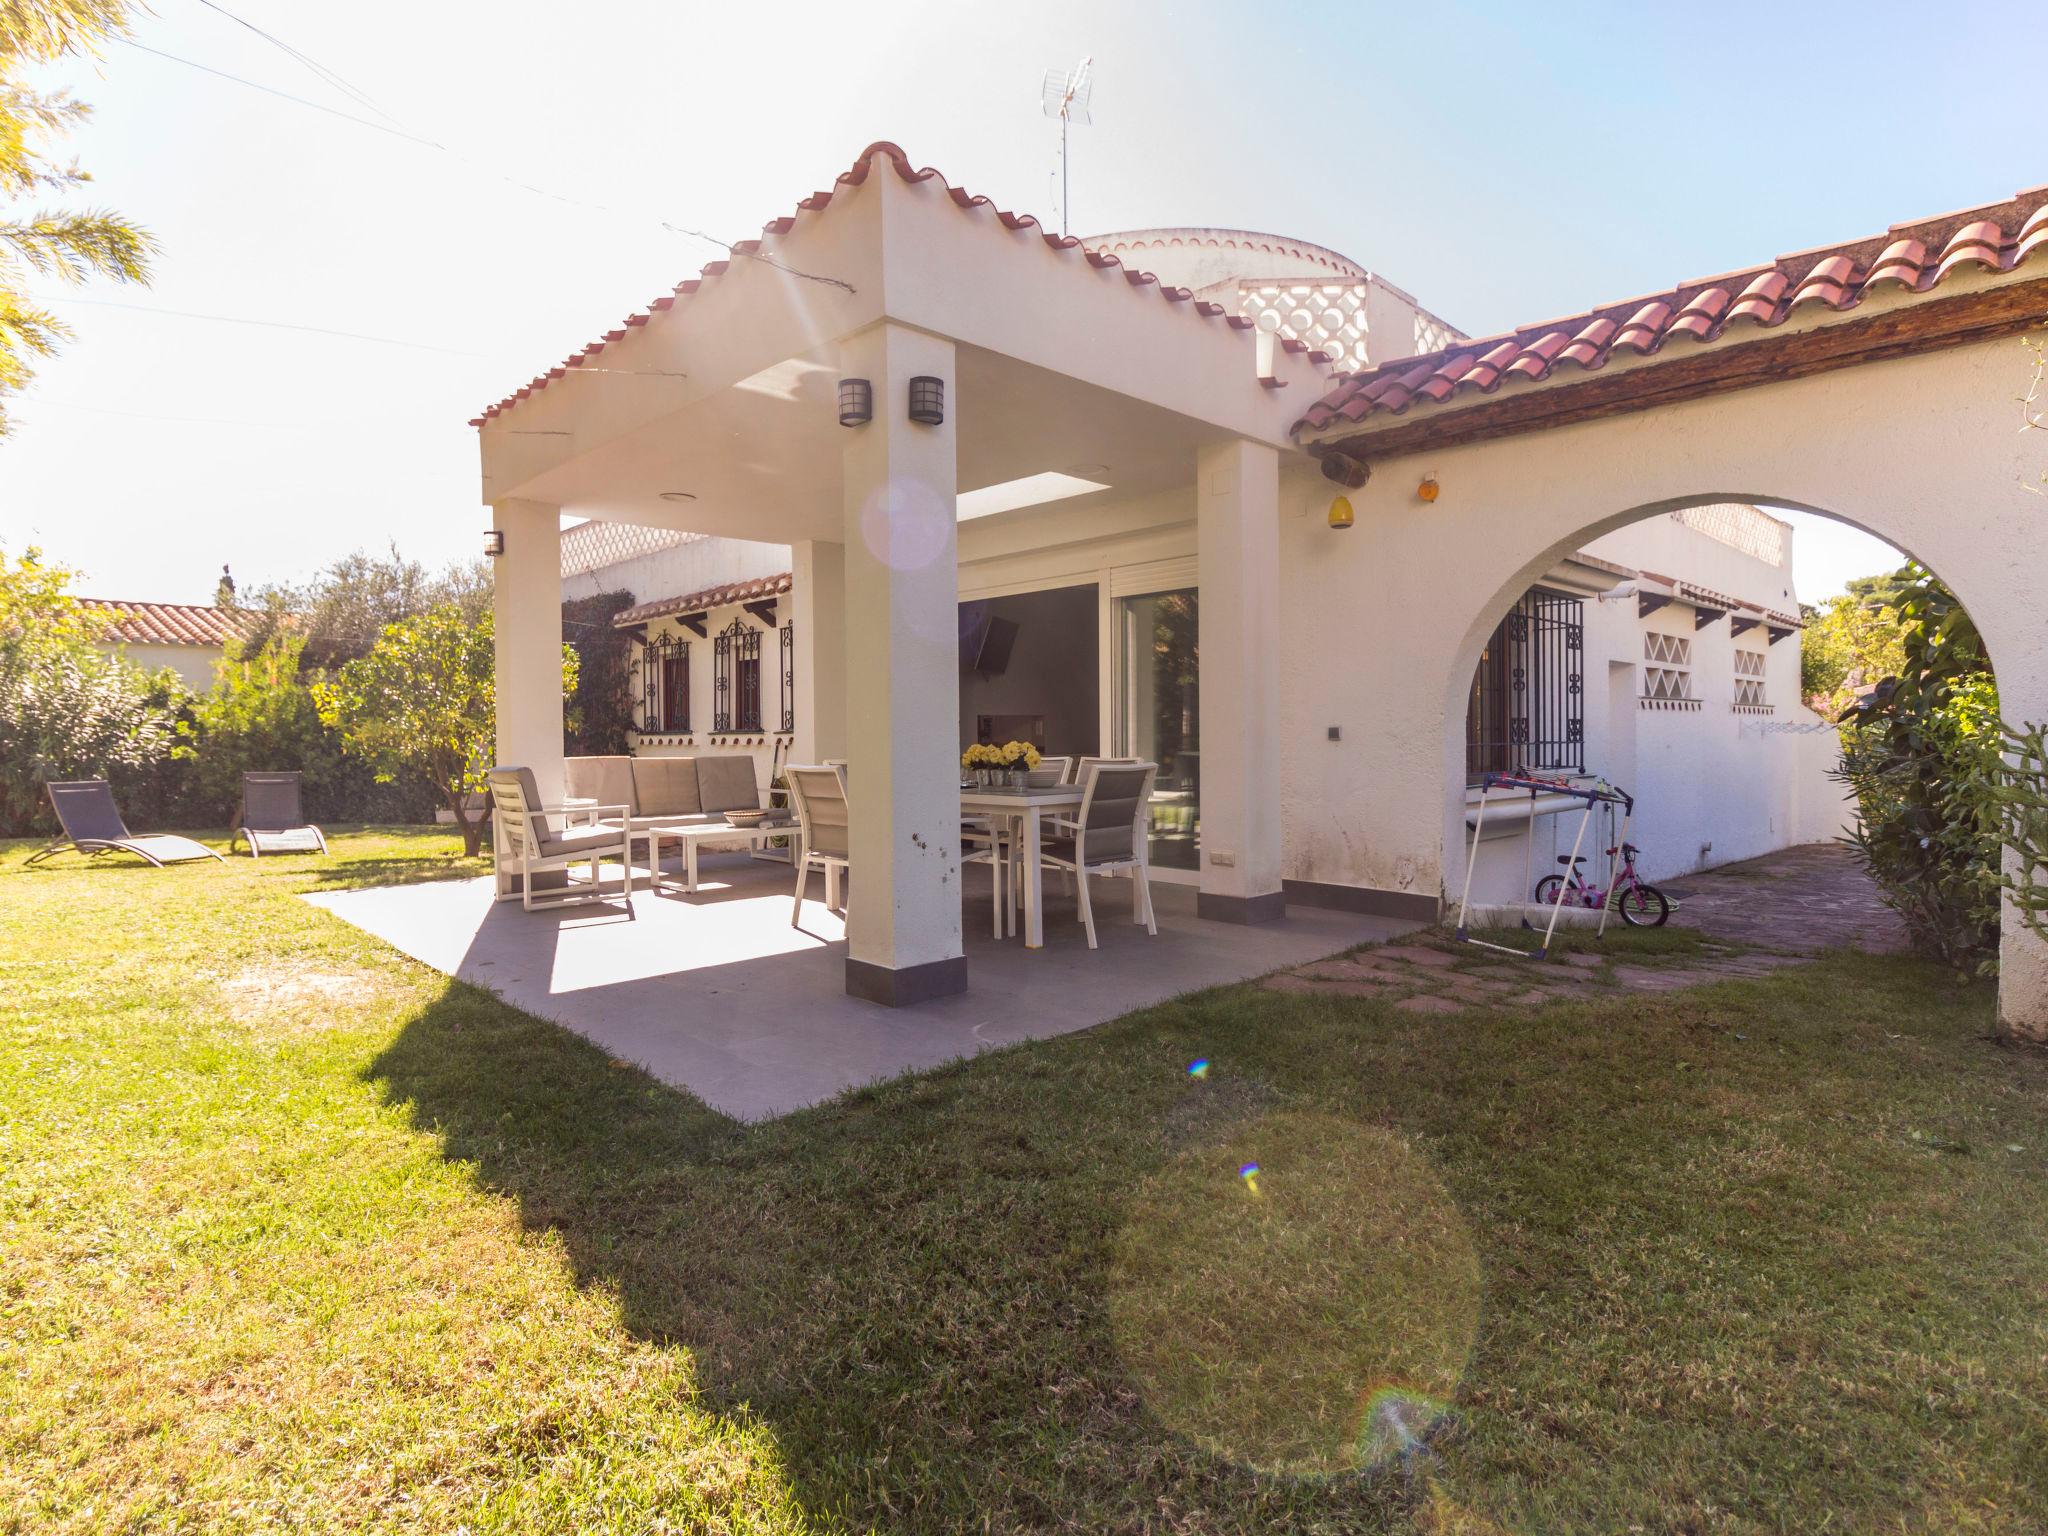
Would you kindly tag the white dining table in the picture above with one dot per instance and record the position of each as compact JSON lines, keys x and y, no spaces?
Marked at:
{"x":1026,"y":807}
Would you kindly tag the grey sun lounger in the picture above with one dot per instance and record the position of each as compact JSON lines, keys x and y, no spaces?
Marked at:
{"x":272,"y":818}
{"x":92,"y":824}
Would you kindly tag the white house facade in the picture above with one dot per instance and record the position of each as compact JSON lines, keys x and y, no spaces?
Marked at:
{"x":973,"y":437}
{"x":188,"y":638}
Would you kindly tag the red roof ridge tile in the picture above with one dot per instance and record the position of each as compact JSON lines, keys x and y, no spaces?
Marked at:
{"x":140,"y":623}
{"x":710,"y":597}
{"x":1917,"y":256}
{"x":854,"y":176}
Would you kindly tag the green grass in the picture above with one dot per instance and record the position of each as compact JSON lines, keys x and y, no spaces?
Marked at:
{"x":297,"y":1235}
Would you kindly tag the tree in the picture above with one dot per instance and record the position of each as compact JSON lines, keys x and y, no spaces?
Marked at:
{"x":343,"y":610}
{"x":69,"y":245}
{"x":425,"y":699}
{"x":67,"y":710}
{"x":1851,"y":640}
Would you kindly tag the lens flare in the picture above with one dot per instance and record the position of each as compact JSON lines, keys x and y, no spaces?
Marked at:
{"x":1318,"y":1329}
{"x":1199,"y":1067}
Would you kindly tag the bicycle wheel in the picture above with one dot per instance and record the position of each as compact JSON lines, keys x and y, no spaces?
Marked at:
{"x":1643,"y":906}
{"x":1546,"y":889}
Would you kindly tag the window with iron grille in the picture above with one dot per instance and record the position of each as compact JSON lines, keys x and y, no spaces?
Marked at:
{"x":789,"y":676}
{"x":665,"y":685}
{"x":1527,"y":710}
{"x":736,"y":679}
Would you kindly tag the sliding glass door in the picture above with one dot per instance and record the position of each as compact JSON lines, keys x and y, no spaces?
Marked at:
{"x":1161,"y":717}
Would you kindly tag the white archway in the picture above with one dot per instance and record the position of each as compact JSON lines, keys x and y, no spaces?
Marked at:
{"x":1921,"y":451}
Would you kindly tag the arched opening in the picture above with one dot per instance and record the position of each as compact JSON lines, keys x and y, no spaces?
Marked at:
{"x":1658,"y":649}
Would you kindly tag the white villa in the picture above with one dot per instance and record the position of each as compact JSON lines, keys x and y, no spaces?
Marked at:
{"x":910,"y":471}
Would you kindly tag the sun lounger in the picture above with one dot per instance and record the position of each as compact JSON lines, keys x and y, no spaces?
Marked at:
{"x":92,"y":824}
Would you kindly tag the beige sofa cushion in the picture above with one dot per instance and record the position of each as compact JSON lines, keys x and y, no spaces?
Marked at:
{"x":666,"y":786}
{"x":728,"y":783}
{"x":607,"y":780}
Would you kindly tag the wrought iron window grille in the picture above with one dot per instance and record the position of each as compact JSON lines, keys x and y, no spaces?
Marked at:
{"x":1527,"y":709}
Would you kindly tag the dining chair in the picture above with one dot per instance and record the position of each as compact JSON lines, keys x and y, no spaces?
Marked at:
{"x":821,"y":818}
{"x":1083,"y":764}
{"x":1063,"y":766}
{"x":1107,"y":835}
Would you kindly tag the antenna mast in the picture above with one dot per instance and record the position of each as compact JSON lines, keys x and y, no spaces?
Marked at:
{"x":1065,"y":95}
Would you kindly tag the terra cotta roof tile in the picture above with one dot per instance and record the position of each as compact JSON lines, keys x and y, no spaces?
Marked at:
{"x":855,"y":176}
{"x":170,"y":623}
{"x":1916,"y":257}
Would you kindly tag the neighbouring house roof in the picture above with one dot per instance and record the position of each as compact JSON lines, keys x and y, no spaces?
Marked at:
{"x":593,"y":545}
{"x":711,"y":597}
{"x":1913,"y":257}
{"x":816,"y":203}
{"x":171,"y":623}
{"x":1706,"y":597}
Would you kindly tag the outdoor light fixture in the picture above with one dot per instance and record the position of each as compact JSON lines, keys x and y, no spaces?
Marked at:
{"x":856,"y":402}
{"x":1340,"y":512}
{"x":1429,"y":490}
{"x":494,"y":542}
{"x":927,"y":400}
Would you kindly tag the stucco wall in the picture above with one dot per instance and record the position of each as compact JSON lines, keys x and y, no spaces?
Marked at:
{"x":194,"y":664}
{"x":693,"y":566}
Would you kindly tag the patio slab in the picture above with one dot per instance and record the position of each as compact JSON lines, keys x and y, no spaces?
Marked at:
{"x":717,"y":994}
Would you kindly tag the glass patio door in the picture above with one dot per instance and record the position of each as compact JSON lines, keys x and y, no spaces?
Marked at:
{"x":1161,"y":718}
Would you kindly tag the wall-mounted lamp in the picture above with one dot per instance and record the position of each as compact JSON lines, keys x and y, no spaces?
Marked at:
{"x":1340,"y":512}
{"x":1429,"y":490}
{"x":927,"y":400}
{"x":856,"y":402}
{"x":494,"y":542}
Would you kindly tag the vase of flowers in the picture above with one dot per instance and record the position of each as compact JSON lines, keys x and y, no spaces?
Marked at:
{"x":1018,"y":759}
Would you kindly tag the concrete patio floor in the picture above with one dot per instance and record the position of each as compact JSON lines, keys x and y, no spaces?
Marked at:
{"x":717,"y":994}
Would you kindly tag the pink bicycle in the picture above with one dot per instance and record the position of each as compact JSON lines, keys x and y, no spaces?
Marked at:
{"x":1640,"y":905}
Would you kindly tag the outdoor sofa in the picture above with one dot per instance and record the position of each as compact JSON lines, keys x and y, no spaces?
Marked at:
{"x":666,"y":791}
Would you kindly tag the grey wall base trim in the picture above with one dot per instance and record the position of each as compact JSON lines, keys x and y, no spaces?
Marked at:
{"x":899,"y":988}
{"x":1368,"y":899}
{"x":1218,"y":908}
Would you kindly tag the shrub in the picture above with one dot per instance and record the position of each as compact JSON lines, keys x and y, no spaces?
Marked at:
{"x":1922,"y":755}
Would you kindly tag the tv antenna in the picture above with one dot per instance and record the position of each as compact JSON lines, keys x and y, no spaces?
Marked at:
{"x":1065,"y":96}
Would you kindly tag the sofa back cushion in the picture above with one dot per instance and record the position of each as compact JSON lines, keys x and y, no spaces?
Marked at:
{"x":607,"y":780}
{"x":728,"y":783}
{"x":666,"y":786}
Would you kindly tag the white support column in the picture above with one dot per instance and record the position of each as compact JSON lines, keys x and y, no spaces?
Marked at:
{"x":901,"y":661}
{"x":1237,"y":514}
{"x":526,"y":611}
{"x":818,"y":610}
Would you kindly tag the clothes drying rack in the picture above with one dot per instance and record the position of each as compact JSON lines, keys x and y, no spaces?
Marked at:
{"x":1595,"y":795}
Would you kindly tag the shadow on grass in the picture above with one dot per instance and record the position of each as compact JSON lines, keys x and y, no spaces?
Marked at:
{"x":906,"y":1285}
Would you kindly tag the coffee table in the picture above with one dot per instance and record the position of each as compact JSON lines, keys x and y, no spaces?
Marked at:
{"x":691,"y":837}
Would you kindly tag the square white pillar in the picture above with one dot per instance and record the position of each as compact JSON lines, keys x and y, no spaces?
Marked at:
{"x":902,"y":677}
{"x":1237,"y":517}
{"x":818,"y":612}
{"x":526,"y":616}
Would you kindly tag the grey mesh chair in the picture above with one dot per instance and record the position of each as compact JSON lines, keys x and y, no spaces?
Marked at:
{"x":1106,"y":836}
{"x":1079,"y":775}
{"x":272,"y":817}
{"x":526,"y":841}
{"x":92,"y":824}
{"x":819,"y":794}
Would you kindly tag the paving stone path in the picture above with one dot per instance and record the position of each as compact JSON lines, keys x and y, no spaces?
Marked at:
{"x":1754,"y":917}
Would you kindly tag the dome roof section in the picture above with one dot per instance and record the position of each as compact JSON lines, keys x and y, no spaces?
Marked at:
{"x":1197,"y":257}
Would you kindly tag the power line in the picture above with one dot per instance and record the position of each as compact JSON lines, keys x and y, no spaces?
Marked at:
{"x":400,"y":132}
{"x":322,"y":330}
{"x":271,"y":90}
{"x":319,"y":71}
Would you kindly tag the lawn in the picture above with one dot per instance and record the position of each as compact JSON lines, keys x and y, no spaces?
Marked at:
{"x":298,"y":1235}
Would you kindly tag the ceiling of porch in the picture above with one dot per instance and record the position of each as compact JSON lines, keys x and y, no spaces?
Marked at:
{"x":761,"y":460}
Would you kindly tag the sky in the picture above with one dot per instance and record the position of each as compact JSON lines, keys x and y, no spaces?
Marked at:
{"x":1503,"y":162}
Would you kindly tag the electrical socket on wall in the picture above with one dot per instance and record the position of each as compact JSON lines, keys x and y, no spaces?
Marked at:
{"x":1223,"y":860}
